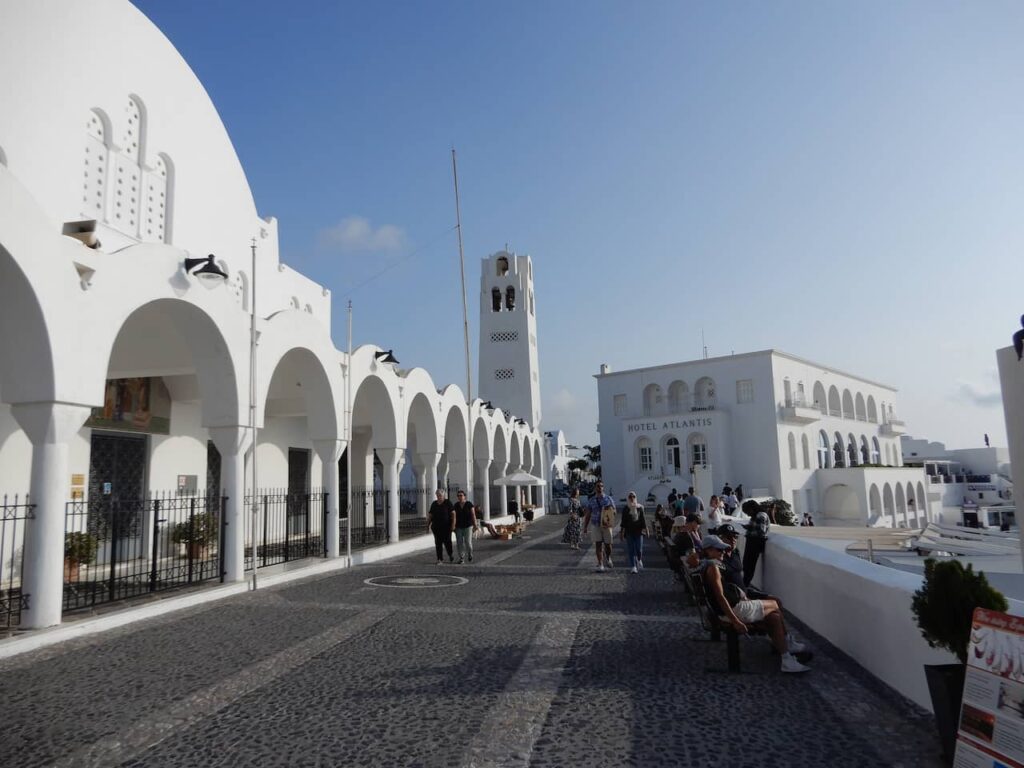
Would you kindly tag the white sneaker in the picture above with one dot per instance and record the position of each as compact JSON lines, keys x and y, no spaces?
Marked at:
{"x":640,"y":564}
{"x":790,"y":664}
{"x":794,"y":645}
{"x":609,"y":562}
{"x":633,"y":569}
{"x":600,"y":569}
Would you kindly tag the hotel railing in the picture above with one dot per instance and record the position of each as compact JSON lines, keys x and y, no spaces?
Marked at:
{"x":290,"y":525}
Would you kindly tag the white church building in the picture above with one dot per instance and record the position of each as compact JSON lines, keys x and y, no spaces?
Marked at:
{"x":826,"y":441}
{"x":135,"y":272}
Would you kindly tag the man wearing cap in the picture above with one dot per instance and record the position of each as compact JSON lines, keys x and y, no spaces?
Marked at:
{"x":732,"y":564}
{"x":602,"y":523}
{"x":743,"y":610}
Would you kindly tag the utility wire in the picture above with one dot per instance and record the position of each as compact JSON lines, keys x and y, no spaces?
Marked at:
{"x":400,"y":261}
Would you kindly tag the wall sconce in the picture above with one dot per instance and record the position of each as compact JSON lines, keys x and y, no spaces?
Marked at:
{"x":385,"y":357}
{"x":209,"y":271}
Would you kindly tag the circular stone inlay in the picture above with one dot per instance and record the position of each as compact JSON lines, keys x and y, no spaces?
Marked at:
{"x":415,"y":582}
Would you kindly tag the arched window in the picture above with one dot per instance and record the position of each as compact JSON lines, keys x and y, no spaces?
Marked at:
{"x":851,"y":450}
{"x":837,"y":450}
{"x":865,"y":451}
{"x":801,"y":397}
{"x":704,"y":394}
{"x":510,"y":298}
{"x":673,"y":457}
{"x":876,"y":453}
{"x":824,"y":451}
{"x":872,"y":411}
{"x":126,"y":172}
{"x":787,"y":391}
{"x":862,"y":414}
{"x":805,"y":445}
{"x":820,"y":401}
{"x":156,"y":213}
{"x":652,"y":399}
{"x":698,"y":449}
{"x":847,"y":404}
{"x":644,"y":455}
{"x":835,"y":408}
{"x":496,"y":299}
{"x":678,"y":397}
{"x":502,"y":265}
{"x":792,"y":450}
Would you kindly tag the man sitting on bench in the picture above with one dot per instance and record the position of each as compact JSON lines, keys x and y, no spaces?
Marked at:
{"x":741,"y":611}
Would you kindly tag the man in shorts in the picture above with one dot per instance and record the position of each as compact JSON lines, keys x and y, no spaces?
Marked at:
{"x":744,"y":611}
{"x":602,"y":533}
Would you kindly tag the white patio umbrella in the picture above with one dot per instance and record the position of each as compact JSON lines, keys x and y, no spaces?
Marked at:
{"x":519,"y":477}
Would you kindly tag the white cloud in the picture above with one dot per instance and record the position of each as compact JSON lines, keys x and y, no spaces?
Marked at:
{"x":355,"y":234}
{"x":983,"y":398}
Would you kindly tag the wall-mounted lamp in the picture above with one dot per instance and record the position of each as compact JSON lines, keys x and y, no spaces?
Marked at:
{"x":488,"y":406}
{"x":385,"y":357}
{"x":208,"y":271}
{"x":83,"y":231}
{"x":520,"y":422}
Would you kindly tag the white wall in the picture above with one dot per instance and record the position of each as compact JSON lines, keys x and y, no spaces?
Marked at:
{"x":861,"y":608}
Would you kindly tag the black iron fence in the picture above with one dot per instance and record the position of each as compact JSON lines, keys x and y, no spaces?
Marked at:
{"x":289,"y":526}
{"x":117,"y":548}
{"x":369,"y":517}
{"x":14,"y":512}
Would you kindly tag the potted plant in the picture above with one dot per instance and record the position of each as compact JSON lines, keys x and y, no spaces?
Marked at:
{"x":195,"y":533}
{"x":944,"y":607}
{"x":79,"y":549}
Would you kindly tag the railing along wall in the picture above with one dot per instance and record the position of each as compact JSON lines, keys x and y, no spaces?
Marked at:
{"x":117,"y":548}
{"x":290,"y":525}
{"x":15,"y":511}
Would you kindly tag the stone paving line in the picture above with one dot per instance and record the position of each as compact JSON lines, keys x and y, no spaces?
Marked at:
{"x":150,"y":731}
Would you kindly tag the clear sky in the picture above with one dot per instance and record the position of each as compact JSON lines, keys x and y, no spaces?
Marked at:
{"x":842,"y":181}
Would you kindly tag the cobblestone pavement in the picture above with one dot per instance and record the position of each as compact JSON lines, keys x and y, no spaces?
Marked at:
{"x":535,"y":660}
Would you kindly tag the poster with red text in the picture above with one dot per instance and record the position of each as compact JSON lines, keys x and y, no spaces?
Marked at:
{"x":991,"y":730}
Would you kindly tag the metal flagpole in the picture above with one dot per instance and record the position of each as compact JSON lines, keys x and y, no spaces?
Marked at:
{"x":465,"y":324}
{"x":348,"y":450}
{"x":252,"y":410}
{"x":462,"y":270}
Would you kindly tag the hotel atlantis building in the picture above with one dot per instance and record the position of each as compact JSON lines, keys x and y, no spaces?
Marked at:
{"x":826,"y":441}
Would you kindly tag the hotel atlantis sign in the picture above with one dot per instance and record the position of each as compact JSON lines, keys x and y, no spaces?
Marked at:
{"x":659,"y":426}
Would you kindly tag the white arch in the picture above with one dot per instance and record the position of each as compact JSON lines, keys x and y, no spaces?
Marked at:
{"x":652,"y":400}
{"x":889,"y":505}
{"x":859,"y":408}
{"x":835,"y":407}
{"x":678,"y":397}
{"x":848,"y":412}
{"x":806,"y":449}
{"x":791,"y":440}
{"x":872,"y":411}
{"x":820,"y":400}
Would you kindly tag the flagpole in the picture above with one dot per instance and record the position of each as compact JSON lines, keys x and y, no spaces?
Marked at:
{"x":252,"y":410}
{"x":351,"y":436}
{"x":465,"y":326}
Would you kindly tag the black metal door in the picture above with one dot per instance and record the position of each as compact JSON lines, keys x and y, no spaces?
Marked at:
{"x":298,"y":490}
{"x":117,"y":482}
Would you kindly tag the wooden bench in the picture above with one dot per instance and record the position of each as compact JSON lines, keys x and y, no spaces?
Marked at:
{"x":714,"y":624}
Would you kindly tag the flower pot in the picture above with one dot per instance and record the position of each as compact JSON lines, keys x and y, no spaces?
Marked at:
{"x":71,"y":568}
{"x":946,"y":686}
{"x":195,"y":550}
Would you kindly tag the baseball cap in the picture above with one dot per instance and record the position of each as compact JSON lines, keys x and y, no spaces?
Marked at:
{"x":713,"y":542}
{"x":726,"y":529}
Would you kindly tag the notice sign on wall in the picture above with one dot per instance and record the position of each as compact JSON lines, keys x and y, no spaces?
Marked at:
{"x":991,"y":731}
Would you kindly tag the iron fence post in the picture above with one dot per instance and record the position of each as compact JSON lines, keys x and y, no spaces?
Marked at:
{"x":153,"y":549}
{"x":190,"y":548}
{"x":265,"y":517}
{"x":222,"y":534}
{"x":112,"y":571}
{"x":323,"y":520}
{"x":307,"y":553}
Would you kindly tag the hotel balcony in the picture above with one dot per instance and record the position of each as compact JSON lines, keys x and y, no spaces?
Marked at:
{"x":893,"y":427}
{"x":799,"y":411}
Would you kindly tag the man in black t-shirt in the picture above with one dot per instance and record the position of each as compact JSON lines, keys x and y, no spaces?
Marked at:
{"x":441,"y":521}
{"x":465,"y":524}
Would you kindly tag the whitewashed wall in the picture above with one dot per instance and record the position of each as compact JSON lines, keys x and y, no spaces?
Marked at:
{"x":861,"y":608}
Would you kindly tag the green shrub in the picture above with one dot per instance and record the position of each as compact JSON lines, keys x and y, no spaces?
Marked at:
{"x":80,"y":547}
{"x":945,"y":603}
{"x":200,"y":529}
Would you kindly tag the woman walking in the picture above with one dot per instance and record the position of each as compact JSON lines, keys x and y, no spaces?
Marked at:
{"x":572,"y":525}
{"x":633,"y":528}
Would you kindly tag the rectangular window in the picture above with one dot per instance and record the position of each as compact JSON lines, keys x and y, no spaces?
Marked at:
{"x":745,"y":391}
{"x":699,"y":455}
{"x":646,"y":459}
{"x":619,"y":403}
{"x":503,"y":374}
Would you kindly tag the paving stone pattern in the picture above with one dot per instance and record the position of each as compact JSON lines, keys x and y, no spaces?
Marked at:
{"x":535,"y":661}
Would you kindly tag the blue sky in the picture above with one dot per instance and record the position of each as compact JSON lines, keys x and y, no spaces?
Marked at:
{"x":842,"y":181}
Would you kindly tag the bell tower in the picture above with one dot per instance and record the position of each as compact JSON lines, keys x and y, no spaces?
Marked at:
{"x":509,"y":375}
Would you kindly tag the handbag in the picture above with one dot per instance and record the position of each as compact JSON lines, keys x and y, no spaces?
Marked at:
{"x":608,"y":517}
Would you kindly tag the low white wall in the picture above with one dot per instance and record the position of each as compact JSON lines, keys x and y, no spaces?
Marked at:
{"x":861,"y":608}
